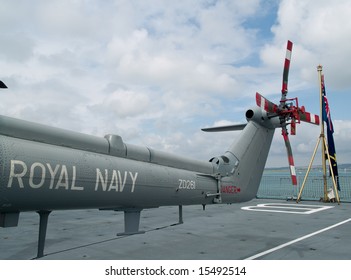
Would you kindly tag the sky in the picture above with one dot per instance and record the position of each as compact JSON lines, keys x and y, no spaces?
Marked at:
{"x":156,"y":72}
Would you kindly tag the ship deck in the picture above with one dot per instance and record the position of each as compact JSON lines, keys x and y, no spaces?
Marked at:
{"x":259,"y":229}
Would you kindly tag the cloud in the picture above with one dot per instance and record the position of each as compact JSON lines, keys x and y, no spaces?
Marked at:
{"x":123,"y":103}
{"x":319,"y":33}
{"x":156,"y":72}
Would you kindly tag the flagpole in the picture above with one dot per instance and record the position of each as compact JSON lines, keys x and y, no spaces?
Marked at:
{"x":320,"y":139}
{"x":325,"y":151}
{"x":322,"y":135}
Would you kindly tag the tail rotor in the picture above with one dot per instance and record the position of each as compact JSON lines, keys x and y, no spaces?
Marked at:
{"x":288,"y":112}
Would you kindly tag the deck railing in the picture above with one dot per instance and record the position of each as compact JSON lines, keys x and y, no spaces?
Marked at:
{"x":280,"y":187}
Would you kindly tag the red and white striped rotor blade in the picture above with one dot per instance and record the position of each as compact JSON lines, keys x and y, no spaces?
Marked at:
{"x":286,"y":71}
{"x":265,"y":104}
{"x":290,"y":156}
{"x":309,"y":117}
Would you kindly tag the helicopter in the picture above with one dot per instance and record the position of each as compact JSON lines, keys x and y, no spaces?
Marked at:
{"x":44,"y":169}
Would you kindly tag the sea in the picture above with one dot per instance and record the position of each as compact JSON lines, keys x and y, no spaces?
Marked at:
{"x":276,"y":184}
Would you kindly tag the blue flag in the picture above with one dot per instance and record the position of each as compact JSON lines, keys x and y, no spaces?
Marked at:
{"x":330,"y":130}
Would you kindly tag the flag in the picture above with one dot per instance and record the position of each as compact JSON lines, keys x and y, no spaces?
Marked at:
{"x":330,"y":130}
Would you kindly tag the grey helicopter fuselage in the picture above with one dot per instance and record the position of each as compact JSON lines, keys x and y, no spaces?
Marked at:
{"x":46,"y":168}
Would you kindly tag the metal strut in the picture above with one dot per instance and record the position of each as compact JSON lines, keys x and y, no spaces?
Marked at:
{"x":131,"y":222}
{"x":180,"y":212}
{"x":218,"y":198}
{"x":218,"y":195}
{"x":43,"y":224}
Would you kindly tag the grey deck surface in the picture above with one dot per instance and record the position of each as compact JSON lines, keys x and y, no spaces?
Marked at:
{"x":220,"y":232}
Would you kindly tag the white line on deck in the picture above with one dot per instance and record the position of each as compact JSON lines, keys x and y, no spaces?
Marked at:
{"x":287,"y":208}
{"x":296,"y":240}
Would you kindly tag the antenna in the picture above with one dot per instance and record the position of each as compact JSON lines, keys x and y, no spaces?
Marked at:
{"x":2,"y":85}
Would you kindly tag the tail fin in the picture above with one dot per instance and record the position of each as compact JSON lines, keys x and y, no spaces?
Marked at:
{"x":247,"y":156}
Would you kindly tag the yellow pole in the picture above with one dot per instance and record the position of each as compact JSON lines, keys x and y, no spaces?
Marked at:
{"x":324,"y":166}
{"x":308,"y":171}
